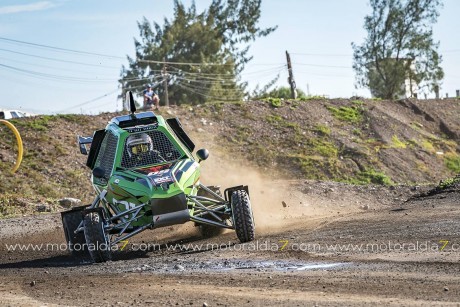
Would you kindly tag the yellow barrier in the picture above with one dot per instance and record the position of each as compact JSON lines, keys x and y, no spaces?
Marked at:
{"x":18,"y":140}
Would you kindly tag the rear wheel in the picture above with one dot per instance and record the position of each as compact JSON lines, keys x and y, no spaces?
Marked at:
{"x":96,"y":239}
{"x":76,"y":243}
{"x":243,"y":219}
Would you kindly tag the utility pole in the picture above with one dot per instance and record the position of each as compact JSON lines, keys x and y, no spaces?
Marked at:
{"x":165,"y":83}
{"x":291,"y":77}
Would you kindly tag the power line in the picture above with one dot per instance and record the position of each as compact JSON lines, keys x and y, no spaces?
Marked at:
{"x":277,"y":69}
{"x":54,"y":77}
{"x":89,"y":101}
{"x":206,"y":95}
{"x":141,"y":79}
{"x":205,"y":81}
{"x":221,"y":77}
{"x":60,"y":49}
{"x":323,"y":54}
{"x":318,"y":65}
{"x":184,"y":63}
{"x":143,"y":85}
{"x":57,"y":60}
{"x":200,"y":64}
{"x":43,"y":66}
{"x":322,"y":75}
{"x":349,"y":55}
{"x":205,"y":88}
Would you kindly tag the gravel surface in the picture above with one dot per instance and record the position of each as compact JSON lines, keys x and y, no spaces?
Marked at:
{"x":323,"y":248}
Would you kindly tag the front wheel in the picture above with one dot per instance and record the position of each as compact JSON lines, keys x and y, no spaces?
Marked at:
{"x":243,"y":219}
{"x":96,"y":239}
{"x":76,"y":242}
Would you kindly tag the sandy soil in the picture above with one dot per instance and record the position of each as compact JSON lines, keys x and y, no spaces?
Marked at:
{"x":329,"y":244}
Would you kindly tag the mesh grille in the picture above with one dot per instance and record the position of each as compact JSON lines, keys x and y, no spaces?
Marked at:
{"x":106,"y":154}
{"x":161,"y":150}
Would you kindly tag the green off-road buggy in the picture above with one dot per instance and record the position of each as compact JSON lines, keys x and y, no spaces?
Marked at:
{"x":146,"y":177}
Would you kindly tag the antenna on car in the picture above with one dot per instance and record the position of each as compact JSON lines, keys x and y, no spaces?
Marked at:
{"x":130,"y":100}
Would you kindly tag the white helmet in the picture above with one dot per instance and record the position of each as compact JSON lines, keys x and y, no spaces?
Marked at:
{"x":138,"y":144}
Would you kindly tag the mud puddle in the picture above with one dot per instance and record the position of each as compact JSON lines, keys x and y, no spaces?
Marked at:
{"x":239,"y":265}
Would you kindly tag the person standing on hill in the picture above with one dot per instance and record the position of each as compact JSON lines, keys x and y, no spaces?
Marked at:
{"x":151,"y":100}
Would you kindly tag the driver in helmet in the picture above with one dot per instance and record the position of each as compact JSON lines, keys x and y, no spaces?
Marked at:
{"x":140,"y":150}
{"x":138,"y":144}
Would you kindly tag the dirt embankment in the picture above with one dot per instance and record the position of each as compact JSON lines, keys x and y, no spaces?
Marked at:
{"x":353,"y":141}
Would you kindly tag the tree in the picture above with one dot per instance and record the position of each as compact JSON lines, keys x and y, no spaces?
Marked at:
{"x":399,"y":46}
{"x":205,"y":52}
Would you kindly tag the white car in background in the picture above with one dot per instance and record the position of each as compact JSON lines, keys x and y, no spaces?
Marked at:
{"x":11,"y":114}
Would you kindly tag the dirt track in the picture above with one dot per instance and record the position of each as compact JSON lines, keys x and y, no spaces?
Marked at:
{"x":323,"y":226}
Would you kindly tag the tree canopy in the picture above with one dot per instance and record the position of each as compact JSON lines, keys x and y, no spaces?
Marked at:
{"x":399,"y":46}
{"x":204,"y":52}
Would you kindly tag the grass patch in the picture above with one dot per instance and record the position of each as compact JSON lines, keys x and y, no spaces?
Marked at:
{"x":397,"y":143}
{"x":322,"y":129}
{"x":274,"y":102}
{"x":416,"y":126}
{"x":322,"y":147}
{"x":357,"y":132}
{"x":280,"y":122}
{"x":447,"y":183}
{"x":315,"y":97}
{"x":72,"y":117}
{"x":348,"y":114}
{"x":316,"y":167}
{"x":428,"y":146}
{"x":452,"y":162}
{"x":372,"y":176}
{"x":39,"y":123}
{"x":274,"y":119}
{"x":358,"y":103}
{"x":412,"y":143}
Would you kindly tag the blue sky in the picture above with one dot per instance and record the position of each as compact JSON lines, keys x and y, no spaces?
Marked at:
{"x":318,"y":34}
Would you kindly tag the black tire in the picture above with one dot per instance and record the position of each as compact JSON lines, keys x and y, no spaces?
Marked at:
{"x":243,"y":219}
{"x":75,"y":242}
{"x":96,"y":239}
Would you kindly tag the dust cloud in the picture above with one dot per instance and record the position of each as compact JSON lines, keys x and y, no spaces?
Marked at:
{"x":274,"y":202}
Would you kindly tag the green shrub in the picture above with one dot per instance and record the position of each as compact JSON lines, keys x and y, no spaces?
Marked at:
{"x":428,"y":146}
{"x":349,"y":114}
{"x":372,"y":176}
{"x":358,"y":103}
{"x":274,"y":102}
{"x":397,"y":143}
{"x":446,"y":183}
{"x":322,"y":129}
{"x":452,"y":162}
{"x":322,"y":147}
{"x":273,"y":119}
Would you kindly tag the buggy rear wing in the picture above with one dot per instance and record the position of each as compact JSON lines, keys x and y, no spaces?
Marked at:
{"x":82,"y":142}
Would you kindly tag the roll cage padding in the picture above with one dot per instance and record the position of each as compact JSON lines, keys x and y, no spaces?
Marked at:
{"x":98,"y":136}
{"x":176,"y":126}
